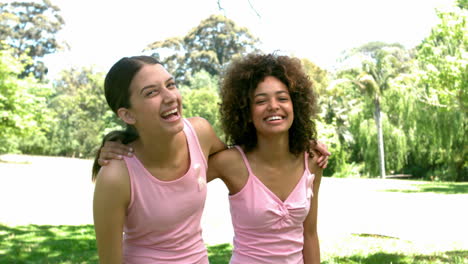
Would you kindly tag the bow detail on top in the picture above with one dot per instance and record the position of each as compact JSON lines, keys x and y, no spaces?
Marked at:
{"x":288,"y":213}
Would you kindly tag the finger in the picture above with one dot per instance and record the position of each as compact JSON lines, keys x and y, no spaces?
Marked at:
{"x":106,"y":155}
{"x":117,"y":146}
{"x":102,"y":162}
{"x":322,"y":148}
{"x":324,"y":164}
{"x":325,"y":149}
{"x":118,"y":149}
{"x":320,"y":159}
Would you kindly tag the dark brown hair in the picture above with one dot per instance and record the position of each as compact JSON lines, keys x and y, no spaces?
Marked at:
{"x":240,"y":81}
{"x":117,"y":92}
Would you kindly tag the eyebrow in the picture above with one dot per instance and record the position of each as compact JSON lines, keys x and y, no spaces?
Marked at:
{"x":155,"y":85}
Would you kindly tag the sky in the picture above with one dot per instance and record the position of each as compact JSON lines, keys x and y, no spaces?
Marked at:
{"x":100,"y":32}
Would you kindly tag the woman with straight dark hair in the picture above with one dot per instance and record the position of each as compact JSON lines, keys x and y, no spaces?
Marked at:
{"x":147,"y":208}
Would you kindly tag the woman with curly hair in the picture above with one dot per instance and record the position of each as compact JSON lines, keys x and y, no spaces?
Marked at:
{"x":267,"y":110}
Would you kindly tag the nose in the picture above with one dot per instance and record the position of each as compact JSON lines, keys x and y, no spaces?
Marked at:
{"x":273,"y":105}
{"x":169,"y":96}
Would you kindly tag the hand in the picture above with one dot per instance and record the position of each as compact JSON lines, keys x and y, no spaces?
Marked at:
{"x":323,"y":154}
{"x":113,"y":150}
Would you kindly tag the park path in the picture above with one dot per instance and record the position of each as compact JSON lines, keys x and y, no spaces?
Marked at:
{"x":58,"y":191}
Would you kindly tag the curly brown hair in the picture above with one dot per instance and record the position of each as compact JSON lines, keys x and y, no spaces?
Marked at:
{"x":239,"y":83}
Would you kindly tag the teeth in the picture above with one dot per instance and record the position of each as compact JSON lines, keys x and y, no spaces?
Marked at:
{"x":271,"y":118}
{"x":170,"y":112}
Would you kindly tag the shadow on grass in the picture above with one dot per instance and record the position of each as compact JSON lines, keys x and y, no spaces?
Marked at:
{"x":65,"y":244}
{"x":452,"y":257}
{"x":76,"y":244}
{"x":47,"y":244}
{"x":435,"y":187}
{"x":219,"y":254}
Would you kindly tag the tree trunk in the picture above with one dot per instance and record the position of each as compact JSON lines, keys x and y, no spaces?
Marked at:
{"x":380,"y":141}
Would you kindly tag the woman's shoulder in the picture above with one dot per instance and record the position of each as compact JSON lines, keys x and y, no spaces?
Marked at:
{"x":202,"y":127}
{"x":207,"y":137}
{"x":115,"y":174}
{"x":113,"y":184}
{"x":198,"y":122}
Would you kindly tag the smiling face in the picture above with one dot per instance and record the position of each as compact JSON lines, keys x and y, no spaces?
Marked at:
{"x":272,"y":108}
{"x":156,"y":104}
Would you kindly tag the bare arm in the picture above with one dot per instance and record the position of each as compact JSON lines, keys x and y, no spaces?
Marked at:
{"x":111,"y":198}
{"x":311,"y":251}
{"x":209,"y":141}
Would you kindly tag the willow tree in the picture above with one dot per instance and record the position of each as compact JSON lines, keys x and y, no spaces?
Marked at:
{"x":379,"y":65}
{"x":207,"y":47}
{"x":443,"y":61}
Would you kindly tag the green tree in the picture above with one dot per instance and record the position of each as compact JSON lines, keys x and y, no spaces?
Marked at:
{"x":318,"y":75}
{"x":30,"y":28}
{"x":22,"y":104}
{"x":208,"y":47}
{"x":462,"y":4}
{"x":380,"y":65}
{"x":443,"y":58}
{"x":443,"y":78}
{"x":202,"y":99}
{"x":80,"y":112}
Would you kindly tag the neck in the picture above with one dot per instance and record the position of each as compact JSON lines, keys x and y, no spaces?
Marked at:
{"x":272,"y":149}
{"x":159,"y":150}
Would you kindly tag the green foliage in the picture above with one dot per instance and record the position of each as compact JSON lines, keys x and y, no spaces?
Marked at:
{"x":443,"y":96}
{"x":208,"y":47}
{"x":318,"y":75}
{"x":361,"y":105}
{"x":462,"y":4}
{"x":22,"y":105}
{"x":202,"y":99}
{"x":395,"y":140}
{"x":30,"y":28}
{"x":80,"y":113}
{"x":443,"y":58}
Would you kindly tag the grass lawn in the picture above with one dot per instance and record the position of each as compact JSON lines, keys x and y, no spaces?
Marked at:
{"x":45,"y":217}
{"x":76,"y":244}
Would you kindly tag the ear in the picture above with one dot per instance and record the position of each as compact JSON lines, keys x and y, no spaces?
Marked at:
{"x":126,"y":115}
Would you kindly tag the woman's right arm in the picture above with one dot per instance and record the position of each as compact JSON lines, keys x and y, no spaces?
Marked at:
{"x":111,"y":198}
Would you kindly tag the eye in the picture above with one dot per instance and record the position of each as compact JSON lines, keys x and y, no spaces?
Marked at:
{"x":262,"y":101}
{"x":284,"y":99}
{"x":151,"y":92}
{"x":171,"y":85}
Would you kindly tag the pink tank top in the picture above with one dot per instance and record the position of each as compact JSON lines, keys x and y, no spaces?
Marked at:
{"x":163,"y":217}
{"x":266,"y":229}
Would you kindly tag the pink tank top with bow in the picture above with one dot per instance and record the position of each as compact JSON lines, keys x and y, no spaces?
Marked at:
{"x":267,"y":229}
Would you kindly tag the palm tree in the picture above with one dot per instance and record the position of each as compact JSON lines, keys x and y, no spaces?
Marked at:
{"x":380,"y":63}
